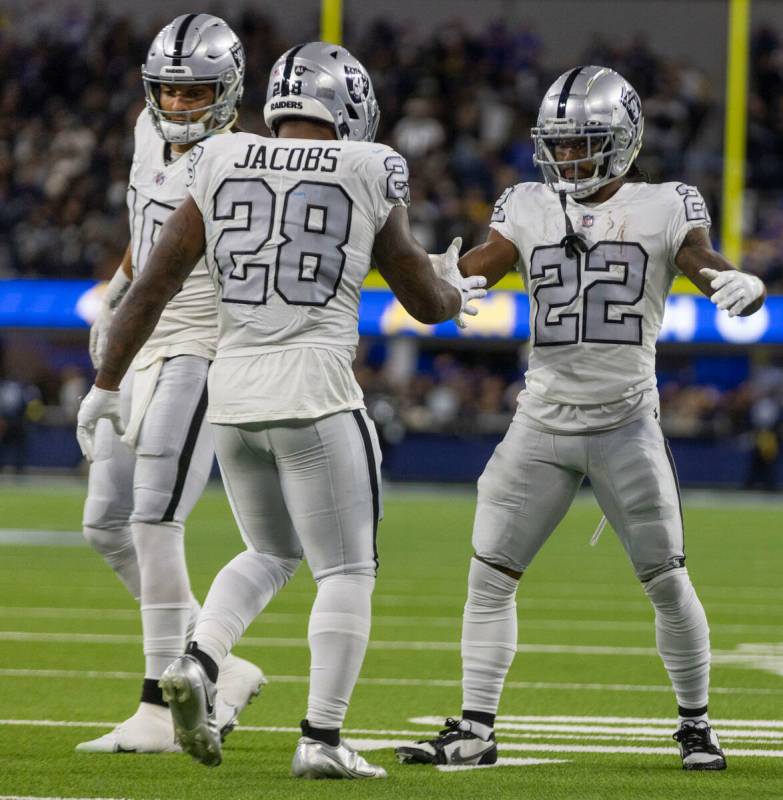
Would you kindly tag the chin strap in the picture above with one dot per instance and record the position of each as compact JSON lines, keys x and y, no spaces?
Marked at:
{"x":574,"y":243}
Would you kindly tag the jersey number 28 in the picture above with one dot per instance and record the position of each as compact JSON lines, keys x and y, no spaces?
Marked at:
{"x":307,"y":264}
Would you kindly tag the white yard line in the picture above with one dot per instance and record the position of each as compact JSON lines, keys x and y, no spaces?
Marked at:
{"x":412,"y":682}
{"x":749,"y":652}
{"x":403,"y":737}
{"x":31,"y":538}
{"x":453,"y":623}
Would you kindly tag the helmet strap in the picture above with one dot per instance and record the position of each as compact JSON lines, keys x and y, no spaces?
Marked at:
{"x":573,"y":243}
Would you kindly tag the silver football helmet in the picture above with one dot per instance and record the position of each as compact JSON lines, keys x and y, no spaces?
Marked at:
{"x":195,"y":48}
{"x":323,"y":81}
{"x":595,"y":105}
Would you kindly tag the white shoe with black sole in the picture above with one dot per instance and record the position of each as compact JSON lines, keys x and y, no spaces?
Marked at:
{"x":456,"y":744}
{"x":699,"y":746}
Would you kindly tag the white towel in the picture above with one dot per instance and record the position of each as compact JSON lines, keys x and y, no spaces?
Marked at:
{"x":144,"y":383}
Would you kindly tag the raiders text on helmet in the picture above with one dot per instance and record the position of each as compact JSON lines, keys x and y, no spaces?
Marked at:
{"x":195,"y":48}
{"x":595,"y":104}
{"x":323,"y":81}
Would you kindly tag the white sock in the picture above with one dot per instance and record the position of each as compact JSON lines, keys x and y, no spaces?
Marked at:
{"x":165,"y":592}
{"x":489,"y":636}
{"x":116,"y":547}
{"x":338,"y":633}
{"x":195,"y":610}
{"x":682,"y":636}
{"x":241,"y":590}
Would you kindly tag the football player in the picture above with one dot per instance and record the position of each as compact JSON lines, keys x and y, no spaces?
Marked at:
{"x":289,"y":226}
{"x":142,"y":489}
{"x":598,"y":247}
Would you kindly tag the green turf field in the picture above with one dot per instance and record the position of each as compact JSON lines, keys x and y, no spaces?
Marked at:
{"x":586,"y":713}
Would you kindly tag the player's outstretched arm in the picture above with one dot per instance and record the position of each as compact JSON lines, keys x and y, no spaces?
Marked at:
{"x":737,"y":292}
{"x":179,"y":246}
{"x":493,"y":259}
{"x":407,"y":269}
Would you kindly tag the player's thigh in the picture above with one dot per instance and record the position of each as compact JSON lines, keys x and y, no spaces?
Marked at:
{"x":634,"y":480}
{"x":174,"y":450}
{"x":109,"y":500}
{"x":252,"y":484}
{"x":525,"y":490}
{"x":330,"y":476}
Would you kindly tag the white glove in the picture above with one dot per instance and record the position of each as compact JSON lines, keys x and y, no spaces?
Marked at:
{"x":734,"y":290}
{"x":472,"y":288}
{"x":99,"y":330}
{"x":97,"y":404}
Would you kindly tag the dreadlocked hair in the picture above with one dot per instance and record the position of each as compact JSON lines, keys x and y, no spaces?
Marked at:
{"x":637,"y":174}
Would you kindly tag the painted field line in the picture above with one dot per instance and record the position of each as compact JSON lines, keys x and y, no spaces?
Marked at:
{"x":272,"y":618}
{"x":501,"y":762}
{"x":32,"y":538}
{"x":381,"y":744}
{"x":737,"y":723}
{"x":413,"y":682}
{"x":749,"y":652}
{"x":39,"y":797}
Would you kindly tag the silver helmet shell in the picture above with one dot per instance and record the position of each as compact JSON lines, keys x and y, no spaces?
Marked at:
{"x":323,"y":81}
{"x":195,"y":48}
{"x":597,"y":105}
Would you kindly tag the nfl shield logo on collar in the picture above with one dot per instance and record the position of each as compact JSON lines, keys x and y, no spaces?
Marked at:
{"x":587,"y":220}
{"x":159,"y":178}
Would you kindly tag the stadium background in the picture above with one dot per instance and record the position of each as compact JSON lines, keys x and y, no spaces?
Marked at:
{"x":587,"y":710}
{"x":459,"y":85}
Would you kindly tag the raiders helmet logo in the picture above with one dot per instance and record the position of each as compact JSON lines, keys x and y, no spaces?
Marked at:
{"x":632,"y":104}
{"x":357,"y":83}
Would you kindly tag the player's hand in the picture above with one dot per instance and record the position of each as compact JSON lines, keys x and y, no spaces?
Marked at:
{"x":99,"y":336}
{"x":472,"y":288}
{"x":97,"y":404}
{"x":445,"y":264}
{"x":734,"y":291}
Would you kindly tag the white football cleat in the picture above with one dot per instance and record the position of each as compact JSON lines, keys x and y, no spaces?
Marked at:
{"x":191,"y":697}
{"x":149,"y":730}
{"x":238,"y":683}
{"x":455,"y":744}
{"x":316,"y":759}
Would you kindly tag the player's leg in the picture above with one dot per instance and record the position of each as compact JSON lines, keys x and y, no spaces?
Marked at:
{"x":241,"y":589}
{"x":634,"y":479}
{"x":109,"y":502}
{"x":330,"y":477}
{"x":174,"y":455}
{"x":524,"y":492}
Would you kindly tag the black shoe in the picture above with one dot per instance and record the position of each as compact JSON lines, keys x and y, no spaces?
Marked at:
{"x":699,"y":746}
{"x":456,"y":744}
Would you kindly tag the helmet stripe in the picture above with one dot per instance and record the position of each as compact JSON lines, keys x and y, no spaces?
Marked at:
{"x":565,"y":91}
{"x":288,"y":69}
{"x":180,"y":40}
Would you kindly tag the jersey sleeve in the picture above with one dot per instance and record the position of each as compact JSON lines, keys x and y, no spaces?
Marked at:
{"x":502,"y":216}
{"x":689,"y":212}
{"x":388,"y":183}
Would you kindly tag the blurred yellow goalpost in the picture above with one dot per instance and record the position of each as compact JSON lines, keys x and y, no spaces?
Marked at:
{"x":735,"y":132}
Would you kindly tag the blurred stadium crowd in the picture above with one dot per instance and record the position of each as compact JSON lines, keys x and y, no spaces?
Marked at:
{"x":458,"y":105}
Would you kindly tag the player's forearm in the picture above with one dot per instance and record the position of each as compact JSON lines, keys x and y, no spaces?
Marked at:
{"x":492,"y":259}
{"x":424,"y":296}
{"x":171,"y":260}
{"x":133,"y":322}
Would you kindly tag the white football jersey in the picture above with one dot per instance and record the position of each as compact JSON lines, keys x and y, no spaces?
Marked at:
{"x":594,"y":319}
{"x":188,"y":325}
{"x":290,"y":227}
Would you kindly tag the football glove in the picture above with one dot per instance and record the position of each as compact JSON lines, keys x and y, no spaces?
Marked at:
{"x":97,"y":404}
{"x":734,"y":291}
{"x":99,"y":330}
{"x":471,"y":288}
